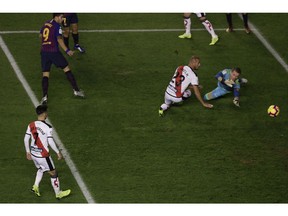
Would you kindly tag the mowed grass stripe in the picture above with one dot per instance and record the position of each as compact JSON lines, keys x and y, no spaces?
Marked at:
{"x":35,"y":102}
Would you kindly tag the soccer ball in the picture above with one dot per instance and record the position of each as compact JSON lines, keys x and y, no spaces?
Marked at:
{"x":273,"y":111}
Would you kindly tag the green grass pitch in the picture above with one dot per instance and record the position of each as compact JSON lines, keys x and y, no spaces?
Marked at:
{"x":122,"y":149}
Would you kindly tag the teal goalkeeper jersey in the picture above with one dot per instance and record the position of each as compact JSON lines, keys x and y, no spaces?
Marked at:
{"x":225,"y":74}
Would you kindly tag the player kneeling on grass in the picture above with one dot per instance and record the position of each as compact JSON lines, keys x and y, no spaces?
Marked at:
{"x":37,"y":150}
{"x":228,"y":81}
{"x":178,"y":89}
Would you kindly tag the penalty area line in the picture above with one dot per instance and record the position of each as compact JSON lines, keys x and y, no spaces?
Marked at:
{"x":35,"y":102}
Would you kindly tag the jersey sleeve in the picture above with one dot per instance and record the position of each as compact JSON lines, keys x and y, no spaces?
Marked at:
{"x":51,"y":142}
{"x":58,"y":31}
{"x":26,"y":139}
{"x":50,"y":133}
{"x":236,"y":87}
{"x":220,"y":74}
{"x":194,"y":80}
{"x":28,"y":131}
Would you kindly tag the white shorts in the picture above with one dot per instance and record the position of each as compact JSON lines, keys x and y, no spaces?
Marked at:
{"x":45,"y":164}
{"x":169,"y":99}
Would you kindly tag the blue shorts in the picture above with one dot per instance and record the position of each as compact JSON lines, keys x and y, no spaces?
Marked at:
{"x":49,"y":58}
{"x":70,"y":19}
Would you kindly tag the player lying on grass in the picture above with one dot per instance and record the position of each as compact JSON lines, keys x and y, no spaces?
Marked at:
{"x":178,"y":89}
{"x":228,"y":81}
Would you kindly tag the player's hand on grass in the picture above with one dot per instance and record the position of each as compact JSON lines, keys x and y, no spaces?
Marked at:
{"x":207,"y":105}
{"x":236,"y":102}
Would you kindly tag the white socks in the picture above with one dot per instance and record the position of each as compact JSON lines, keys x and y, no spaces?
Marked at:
{"x":187,"y":25}
{"x":38,"y":178}
{"x":55,"y":184}
{"x":209,"y":28}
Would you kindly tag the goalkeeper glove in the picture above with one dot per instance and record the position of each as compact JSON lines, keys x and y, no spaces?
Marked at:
{"x":236,"y":102}
{"x":229,"y":83}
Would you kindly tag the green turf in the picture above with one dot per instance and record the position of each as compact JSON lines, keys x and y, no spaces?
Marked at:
{"x":123,"y":150}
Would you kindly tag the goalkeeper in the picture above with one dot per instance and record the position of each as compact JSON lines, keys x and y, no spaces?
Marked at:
{"x":228,"y":81}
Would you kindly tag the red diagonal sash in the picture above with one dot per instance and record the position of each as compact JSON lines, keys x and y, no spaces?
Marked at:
{"x":38,"y":142}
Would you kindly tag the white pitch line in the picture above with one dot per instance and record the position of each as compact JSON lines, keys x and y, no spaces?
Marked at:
{"x":35,"y":102}
{"x":267,"y":45}
{"x":117,"y":31}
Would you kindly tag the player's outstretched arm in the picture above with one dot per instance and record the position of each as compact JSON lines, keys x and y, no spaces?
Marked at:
{"x":198,"y":96}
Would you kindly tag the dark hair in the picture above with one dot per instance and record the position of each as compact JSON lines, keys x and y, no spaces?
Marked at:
{"x":41,"y":109}
{"x":237,"y":69}
{"x":57,"y":14}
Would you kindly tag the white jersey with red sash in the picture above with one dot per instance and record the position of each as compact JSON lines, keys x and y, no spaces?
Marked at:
{"x":39,"y":132}
{"x":182,"y":78}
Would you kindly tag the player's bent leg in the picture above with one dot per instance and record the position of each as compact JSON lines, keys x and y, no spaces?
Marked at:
{"x":76,"y":91}
{"x":216,"y":93}
{"x":166,"y":105}
{"x":208,"y":96}
{"x":187,"y":93}
{"x":163,"y":108}
{"x":209,"y":27}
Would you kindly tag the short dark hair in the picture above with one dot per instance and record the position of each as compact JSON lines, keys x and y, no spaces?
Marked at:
{"x":41,"y":109}
{"x":237,"y":69}
{"x":57,"y":14}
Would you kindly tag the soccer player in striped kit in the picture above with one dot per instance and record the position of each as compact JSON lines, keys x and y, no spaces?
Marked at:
{"x":51,"y":39}
{"x":39,"y":133}
{"x":179,"y":87}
